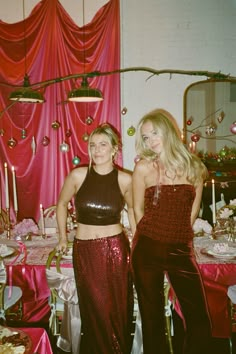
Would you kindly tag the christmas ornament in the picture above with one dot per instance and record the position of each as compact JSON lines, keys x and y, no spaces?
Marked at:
{"x":195,"y":137}
{"x":23,"y":133}
{"x":56,"y":125}
{"x":76,"y":160}
{"x":45,"y":141}
{"x":131,"y":131}
{"x":124,"y":110}
{"x":221,"y":116}
{"x":189,"y":121}
{"x":85,"y":137}
{"x":233,"y":128}
{"x":12,"y":143}
{"x":64,"y":147}
{"x":89,"y":120}
{"x":137,"y":158}
{"x":2,"y":132}
{"x":211,"y":129}
{"x":33,"y":145}
{"x":68,"y":133}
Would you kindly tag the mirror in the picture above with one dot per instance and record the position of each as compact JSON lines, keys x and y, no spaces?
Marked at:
{"x":210,"y":120}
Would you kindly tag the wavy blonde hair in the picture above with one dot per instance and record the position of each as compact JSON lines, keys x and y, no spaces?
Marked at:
{"x":111,"y":134}
{"x":175,"y":157}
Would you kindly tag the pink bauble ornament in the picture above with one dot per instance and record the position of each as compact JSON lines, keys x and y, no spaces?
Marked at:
{"x":2,"y":132}
{"x":45,"y":141}
{"x":64,"y":147}
{"x":137,"y":158}
{"x":233,"y":128}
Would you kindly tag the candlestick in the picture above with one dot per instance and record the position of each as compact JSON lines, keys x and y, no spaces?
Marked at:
{"x":213,"y":202}
{"x":6,"y":186}
{"x":14,"y":190}
{"x":42,"y":220}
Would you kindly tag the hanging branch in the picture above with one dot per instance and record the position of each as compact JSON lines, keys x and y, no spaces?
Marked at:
{"x":209,"y":74}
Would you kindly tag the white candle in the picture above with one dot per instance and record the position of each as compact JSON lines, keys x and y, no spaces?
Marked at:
{"x":42,"y":219}
{"x":213,"y":202}
{"x":6,"y":186}
{"x":14,"y":189}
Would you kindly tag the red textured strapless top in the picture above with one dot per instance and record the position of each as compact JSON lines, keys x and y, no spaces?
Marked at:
{"x":169,"y":218}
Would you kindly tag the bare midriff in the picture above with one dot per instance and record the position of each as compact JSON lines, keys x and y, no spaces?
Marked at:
{"x":87,"y":232}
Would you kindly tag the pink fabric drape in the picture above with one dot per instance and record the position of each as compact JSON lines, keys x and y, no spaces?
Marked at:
{"x":54,"y":47}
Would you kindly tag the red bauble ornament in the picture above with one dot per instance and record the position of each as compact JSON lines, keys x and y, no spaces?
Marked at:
{"x":195,"y":137}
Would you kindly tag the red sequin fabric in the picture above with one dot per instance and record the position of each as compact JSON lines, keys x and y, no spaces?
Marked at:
{"x":168,"y":218}
{"x":105,"y":291}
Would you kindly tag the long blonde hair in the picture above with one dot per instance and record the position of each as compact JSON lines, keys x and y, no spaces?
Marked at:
{"x":175,"y":157}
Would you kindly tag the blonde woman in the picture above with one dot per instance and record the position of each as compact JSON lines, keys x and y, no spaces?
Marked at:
{"x":101,"y":252}
{"x":167,"y":190}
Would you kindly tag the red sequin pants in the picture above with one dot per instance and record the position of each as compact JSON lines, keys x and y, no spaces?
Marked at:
{"x":151,"y":259}
{"x":105,"y":291}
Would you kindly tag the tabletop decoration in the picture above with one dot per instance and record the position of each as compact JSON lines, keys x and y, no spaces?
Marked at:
{"x":226,"y":220}
{"x":25,"y":228}
{"x":201,"y":227}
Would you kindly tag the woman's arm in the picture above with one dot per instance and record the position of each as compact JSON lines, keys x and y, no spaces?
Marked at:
{"x":67,"y":192}
{"x":139,"y":190}
{"x":197,"y":202}
{"x":126,"y":183}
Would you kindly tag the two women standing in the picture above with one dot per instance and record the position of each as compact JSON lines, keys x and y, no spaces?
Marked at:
{"x":167,"y":188}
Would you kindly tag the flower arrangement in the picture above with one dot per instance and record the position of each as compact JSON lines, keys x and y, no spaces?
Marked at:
{"x":25,"y":227}
{"x":201,"y":227}
{"x":228,"y":211}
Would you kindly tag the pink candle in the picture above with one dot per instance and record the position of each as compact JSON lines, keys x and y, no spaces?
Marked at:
{"x":6,"y":186}
{"x":14,"y":189}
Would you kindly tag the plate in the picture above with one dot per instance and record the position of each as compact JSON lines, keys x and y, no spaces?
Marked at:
{"x":230,"y":254}
{"x":10,"y":250}
{"x":15,"y":338}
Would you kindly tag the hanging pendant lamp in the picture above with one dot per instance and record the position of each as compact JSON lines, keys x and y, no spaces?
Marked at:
{"x":26,"y":94}
{"x":85,"y":93}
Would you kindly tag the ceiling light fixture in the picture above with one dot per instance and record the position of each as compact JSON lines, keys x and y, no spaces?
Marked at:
{"x":85,"y":93}
{"x":26,"y":94}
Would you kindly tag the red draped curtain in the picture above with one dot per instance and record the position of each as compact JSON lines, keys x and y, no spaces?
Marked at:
{"x":46,"y":46}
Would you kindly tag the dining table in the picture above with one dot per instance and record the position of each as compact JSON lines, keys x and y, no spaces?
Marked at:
{"x":35,"y":340}
{"x":217,"y":274}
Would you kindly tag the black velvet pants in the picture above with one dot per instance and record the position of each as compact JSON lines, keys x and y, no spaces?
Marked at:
{"x":151,"y":260}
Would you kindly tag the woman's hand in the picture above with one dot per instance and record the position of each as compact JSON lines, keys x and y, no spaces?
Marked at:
{"x":62,"y":245}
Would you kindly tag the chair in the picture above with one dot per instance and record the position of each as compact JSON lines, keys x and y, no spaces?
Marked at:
{"x":65,"y":321}
{"x":9,"y":296}
{"x":231,"y":292}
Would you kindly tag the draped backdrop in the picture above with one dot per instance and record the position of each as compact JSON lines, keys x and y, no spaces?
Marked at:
{"x":46,"y":46}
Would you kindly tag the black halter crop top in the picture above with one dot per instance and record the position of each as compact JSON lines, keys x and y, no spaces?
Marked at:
{"x":99,"y":200}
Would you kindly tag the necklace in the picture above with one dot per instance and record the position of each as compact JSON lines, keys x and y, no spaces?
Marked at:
{"x":171,"y":178}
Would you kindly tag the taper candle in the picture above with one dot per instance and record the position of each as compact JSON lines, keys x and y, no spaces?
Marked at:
{"x":14,"y":189}
{"x":213,"y":202}
{"x":42,"y":220}
{"x":6,"y":186}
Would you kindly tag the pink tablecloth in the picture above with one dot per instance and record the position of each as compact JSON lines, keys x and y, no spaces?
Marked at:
{"x":217,"y":275}
{"x":40,"y":341}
